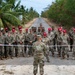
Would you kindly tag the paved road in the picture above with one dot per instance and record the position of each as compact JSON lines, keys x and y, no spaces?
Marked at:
{"x":23,"y":65}
{"x":27,"y":61}
{"x":37,"y":24}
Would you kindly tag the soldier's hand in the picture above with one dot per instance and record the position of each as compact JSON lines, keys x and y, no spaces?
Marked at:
{"x":9,"y":43}
{"x":30,"y":41}
{"x":21,"y":42}
{"x":0,"y":44}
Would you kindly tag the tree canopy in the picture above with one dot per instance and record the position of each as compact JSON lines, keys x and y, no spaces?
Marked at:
{"x":11,"y":12}
{"x":61,"y":11}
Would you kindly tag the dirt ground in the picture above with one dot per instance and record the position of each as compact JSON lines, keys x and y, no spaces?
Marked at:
{"x":29,"y":24}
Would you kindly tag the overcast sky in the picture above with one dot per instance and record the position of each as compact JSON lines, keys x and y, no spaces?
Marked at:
{"x":38,"y":5}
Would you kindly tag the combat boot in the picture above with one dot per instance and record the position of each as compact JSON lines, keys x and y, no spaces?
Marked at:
{"x":48,"y":61}
{"x":34,"y":74}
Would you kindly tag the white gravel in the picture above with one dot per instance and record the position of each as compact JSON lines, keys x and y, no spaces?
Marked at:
{"x":28,"y":70}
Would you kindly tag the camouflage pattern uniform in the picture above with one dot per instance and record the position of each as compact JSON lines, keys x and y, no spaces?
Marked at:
{"x":59,"y":43}
{"x":39,"y":52}
{"x":71,"y":39}
{"x":20,"y":41}
{"x":1,"y":47}
{"x":74,"y":46}
{"x":46,"y":41}
{"x":15,"y":48}
{"x":9,"y":41}
{"x":6,"y":51}
{"x":65,"y":48}
{"x":40,"y":31}
{"x":30,"y":39}
{"x":25,"y":41}
{"x":51,"y":43}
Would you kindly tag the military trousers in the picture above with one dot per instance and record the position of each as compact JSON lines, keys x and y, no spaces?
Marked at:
{"x":10,"y":51}
{"x":1,"y":51}
{"x":38,"y":63}
{"x":21,"y":50}
{"x":65,"y":51}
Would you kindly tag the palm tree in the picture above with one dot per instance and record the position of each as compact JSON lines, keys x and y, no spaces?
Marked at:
{"x":8,"y":16}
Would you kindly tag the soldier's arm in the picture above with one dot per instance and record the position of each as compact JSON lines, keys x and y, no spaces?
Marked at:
{"x":27,"y":37}
{"x":12,"y":40}
{"x":68,"y":38}
{"x":23,"y":38}
{"x":33,"y":39}
{"x":3,"y":40}
{"x":7,"y":41}
{"x":33,"y":47}
{"x":17,"y":38}
{"x":44,"y":49}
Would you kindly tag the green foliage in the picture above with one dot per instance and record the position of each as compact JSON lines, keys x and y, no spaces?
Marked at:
{"x":28,"y":14}
{"x":11,"y":12}
{"x":61,"y":11}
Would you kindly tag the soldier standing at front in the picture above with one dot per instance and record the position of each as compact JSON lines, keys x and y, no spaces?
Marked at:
{"x":39,"y":51}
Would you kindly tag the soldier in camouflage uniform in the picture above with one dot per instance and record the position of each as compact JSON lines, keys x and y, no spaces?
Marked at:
{"x":74,"y":43}
{"x":65,"y":48}
{"x":59,"y":41}
{"x":46,"y":41}
{"x":71,"y":39}
{"x":39,"y":52}
{"x":55,"y":37}
{"x":41,"y":30}
{"x":51,"y":43}
{"x":25,"y":40}
{"x":5,"y":33}
{"x":15,"y":48}
{"x":1,"y":46}
{"x":9,"y":41}
{"x":20,"y":41}
{"x":31,"y":39}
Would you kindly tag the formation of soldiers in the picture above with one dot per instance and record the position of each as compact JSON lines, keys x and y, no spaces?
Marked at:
{"x":16,"y":42}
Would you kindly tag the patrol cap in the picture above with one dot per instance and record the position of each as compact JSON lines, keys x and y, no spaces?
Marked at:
{"x":26,"y":29}
{"x":13,"y":29}
{"x":74,"y":29}
{"x":64,"y":31}
{"x":19,"y":27}
{"x":39,"y":36}
{"x":6,"y":29}
{"x":44,"y":34}
{"x":59,"y":29}
{"x":49,"y":29}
